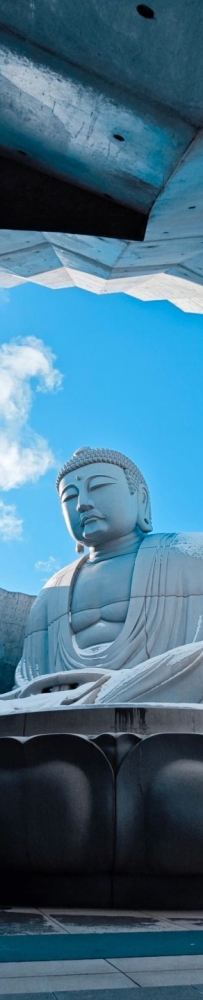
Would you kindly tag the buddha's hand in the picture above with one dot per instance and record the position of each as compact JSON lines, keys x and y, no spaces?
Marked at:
{"x":63,"y":681}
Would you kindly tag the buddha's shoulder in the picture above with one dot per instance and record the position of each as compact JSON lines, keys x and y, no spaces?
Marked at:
{"x":62,"y":578}
{"x":51,"y":602}
{"x":188,"y":544}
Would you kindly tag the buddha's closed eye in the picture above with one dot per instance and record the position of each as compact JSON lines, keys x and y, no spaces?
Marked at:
{"x":74,"y":493}
{"x":99,"y":486}
{"x":70,"y":496}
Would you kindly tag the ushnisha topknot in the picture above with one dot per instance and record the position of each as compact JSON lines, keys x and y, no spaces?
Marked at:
{"x":86,"y":455}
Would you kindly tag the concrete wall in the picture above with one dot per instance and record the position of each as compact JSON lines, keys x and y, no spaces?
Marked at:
{"x":14,"y":611}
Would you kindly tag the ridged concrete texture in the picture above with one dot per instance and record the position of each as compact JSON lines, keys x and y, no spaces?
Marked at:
{"x":102,"y":266}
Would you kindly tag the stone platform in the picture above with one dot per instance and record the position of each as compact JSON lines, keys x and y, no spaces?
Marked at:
{"x":84,"y":955}
{"x":143,"y":720}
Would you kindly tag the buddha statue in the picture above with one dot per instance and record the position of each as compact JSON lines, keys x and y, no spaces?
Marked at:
{"x":124,"y":622}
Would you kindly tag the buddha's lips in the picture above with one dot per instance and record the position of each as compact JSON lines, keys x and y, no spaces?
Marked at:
{"x":91,"y":517}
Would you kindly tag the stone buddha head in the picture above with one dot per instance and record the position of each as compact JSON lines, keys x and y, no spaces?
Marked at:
{"x":104,"y":497}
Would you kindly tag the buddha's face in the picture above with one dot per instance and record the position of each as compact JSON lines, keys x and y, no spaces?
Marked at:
{"x":97,"y":504}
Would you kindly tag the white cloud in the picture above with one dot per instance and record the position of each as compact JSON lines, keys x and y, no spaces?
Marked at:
{"x":20,"y":464}
{"x":47,"y":567}
{"x":11,"y":525}
{"x":24,"y":455}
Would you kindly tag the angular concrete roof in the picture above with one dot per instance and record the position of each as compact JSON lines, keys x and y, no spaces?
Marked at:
{"x":161,"y":269}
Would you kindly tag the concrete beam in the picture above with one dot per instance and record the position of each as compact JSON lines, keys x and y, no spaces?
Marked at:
{"x":107,"y":140}
{"x":160,"y":58}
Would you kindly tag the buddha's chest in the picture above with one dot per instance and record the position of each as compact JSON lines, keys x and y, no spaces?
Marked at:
{"x":102,"y":583}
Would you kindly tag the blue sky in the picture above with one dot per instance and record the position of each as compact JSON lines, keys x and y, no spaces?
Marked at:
{"x":80,"y":369}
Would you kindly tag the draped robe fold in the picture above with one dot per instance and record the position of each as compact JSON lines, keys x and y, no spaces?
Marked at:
{"x":158,"y":655}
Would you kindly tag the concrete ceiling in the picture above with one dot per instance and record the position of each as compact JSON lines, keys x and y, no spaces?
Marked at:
{"x":86,"y":129}
{"x":112,"y":101}
{"x":159,"y":58}
{"x":99,"y":94}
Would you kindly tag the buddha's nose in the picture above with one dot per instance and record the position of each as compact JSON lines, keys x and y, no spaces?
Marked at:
{"x":81,"y":507}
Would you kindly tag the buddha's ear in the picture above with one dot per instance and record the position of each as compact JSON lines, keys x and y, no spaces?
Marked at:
{"x":144,"y":520}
